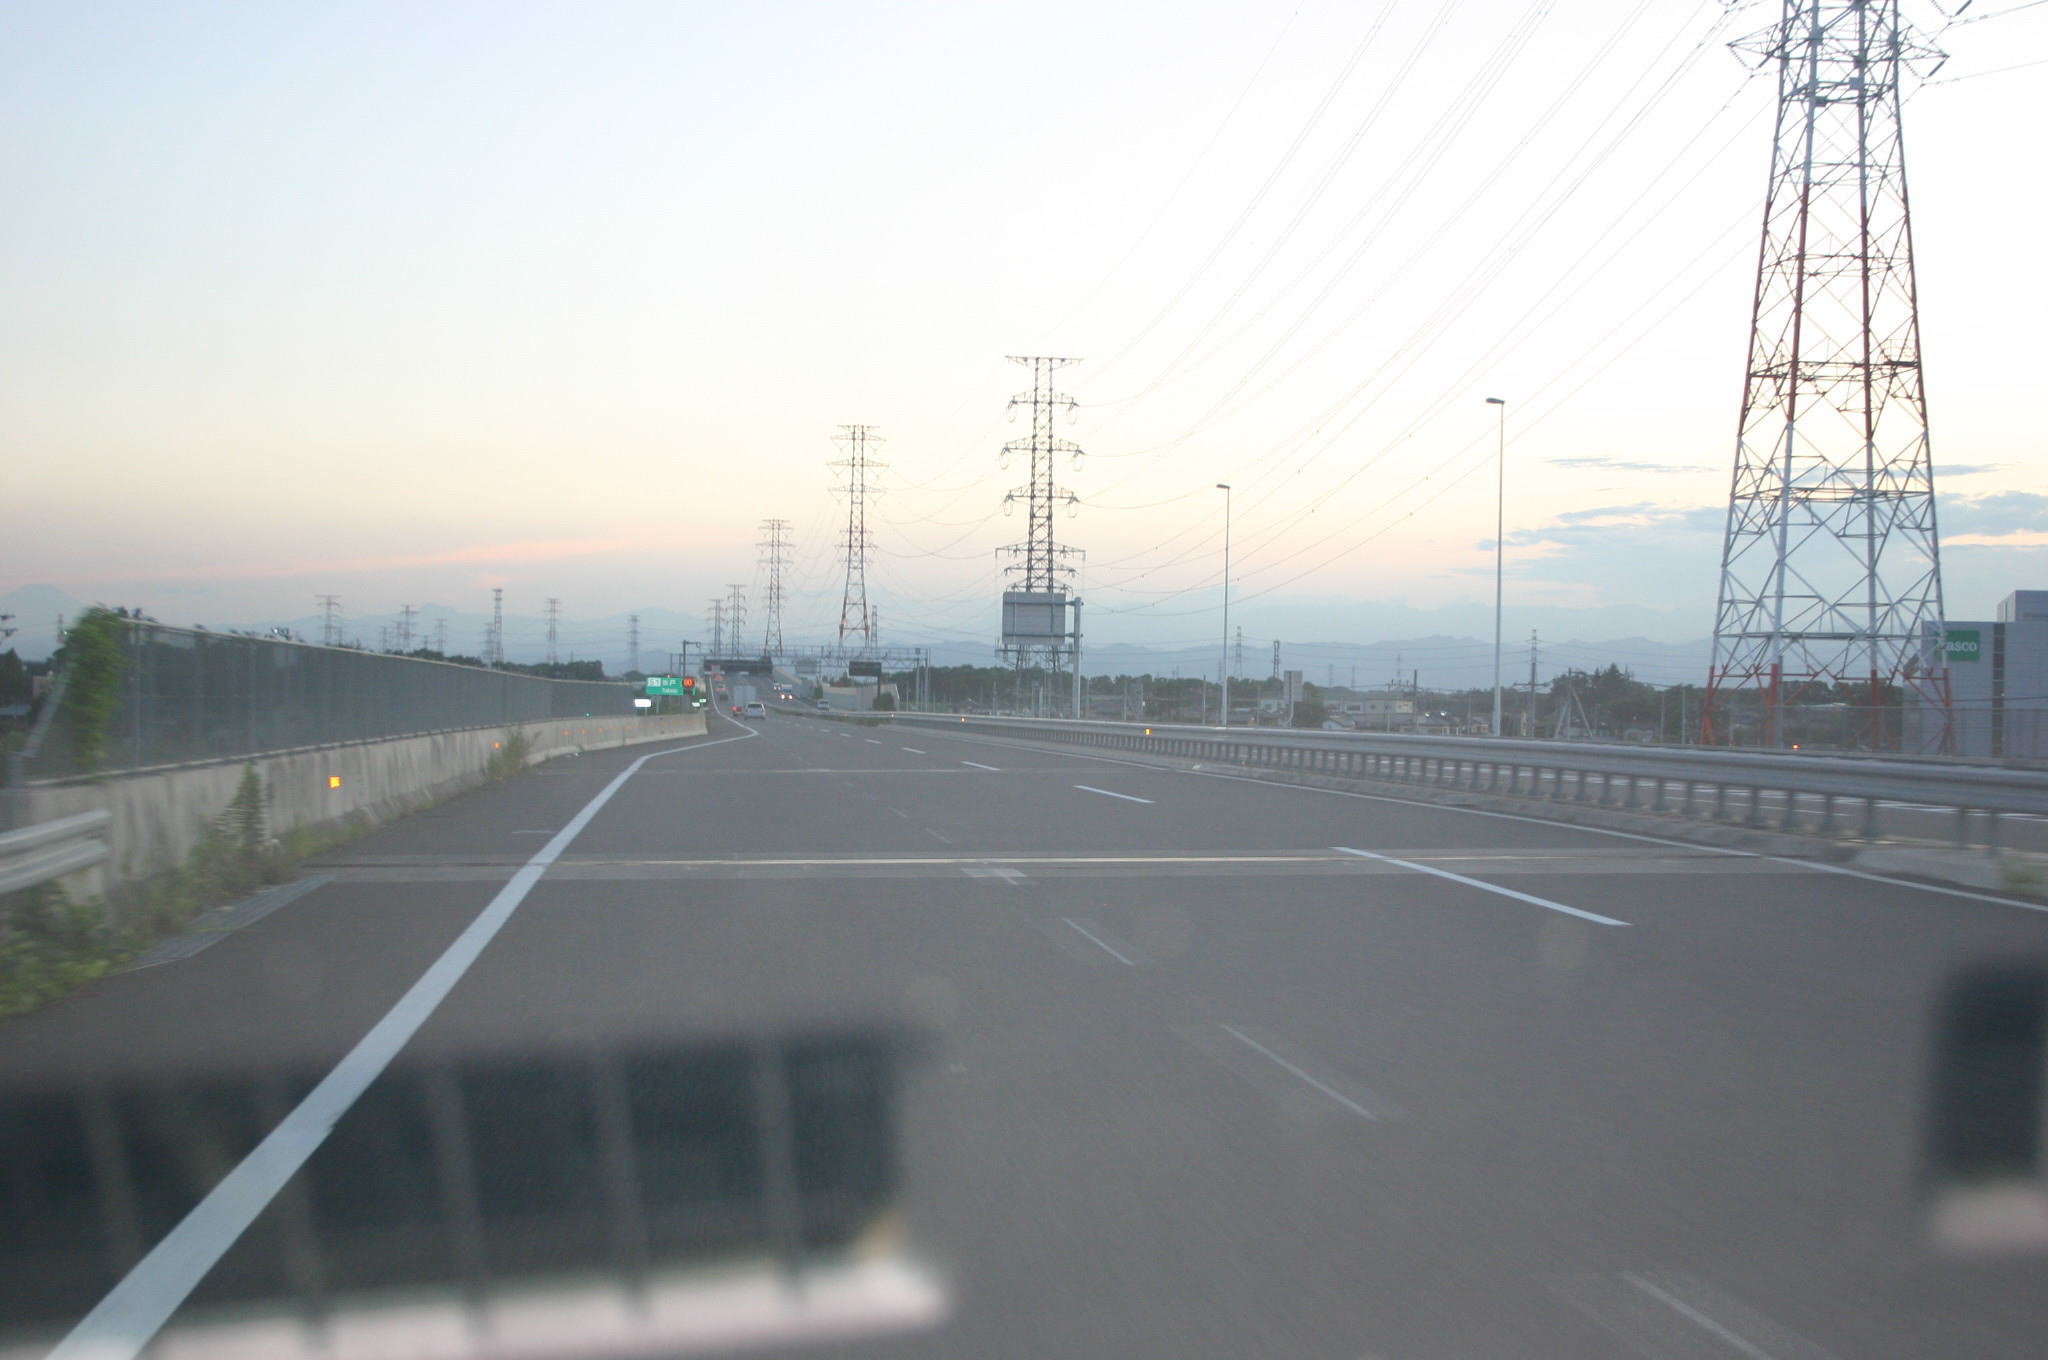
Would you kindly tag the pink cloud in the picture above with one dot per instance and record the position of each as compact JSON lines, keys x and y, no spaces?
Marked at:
{"x":492,"y":554}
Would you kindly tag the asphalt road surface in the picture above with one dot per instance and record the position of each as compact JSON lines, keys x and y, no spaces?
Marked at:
{"x":818,"y":1038}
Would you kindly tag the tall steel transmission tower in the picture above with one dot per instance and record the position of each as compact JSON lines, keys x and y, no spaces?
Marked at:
{"x":406,"y":615}
{"x":496,"y":653}
{"x":735,"y":613}
{"x":1040,"y":621}
{"x":716,"y":608}
{"x":854,"y":615}
{"x":632,"y":642}
{"x":330,"y":619}
{"x":1831,"y":565}
{"x":1040,"y":568}
{"x":554,"y":608}
{"x":774,"y":547}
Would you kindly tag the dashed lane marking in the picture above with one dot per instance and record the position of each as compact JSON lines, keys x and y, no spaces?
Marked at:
{"x":1107,"y":793}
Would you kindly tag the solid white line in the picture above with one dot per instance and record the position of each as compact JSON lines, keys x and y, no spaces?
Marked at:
{"x":1686,"y":1310}
{"x":979,"y":766}
{"x":873,"y":741}
{"x":1337,"y":1096}
{"x":134,"y":1310}
{"x":1108,"y":948}
{"x":1902,"y":883}
{"x":1484,"y":886}
{"x":912,"y":749}
{"x":1127,"y":797}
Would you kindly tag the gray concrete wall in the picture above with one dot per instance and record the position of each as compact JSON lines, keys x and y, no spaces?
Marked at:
{"x":160,"y":815}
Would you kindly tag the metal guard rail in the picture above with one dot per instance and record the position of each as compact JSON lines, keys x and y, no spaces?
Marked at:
{"x":1713,"y":785}
{"x":41,"y":854}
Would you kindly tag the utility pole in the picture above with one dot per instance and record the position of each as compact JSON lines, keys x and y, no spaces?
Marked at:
{"x":330,"y":619}
{"x":1500,"y":490}
{"x":1831,"y":564}
{"x":774,"y":547}
{"x":855,"y":543}
{"x":554,"y":610}
{"x":1531,"y":729}
{"x":406,"y":613}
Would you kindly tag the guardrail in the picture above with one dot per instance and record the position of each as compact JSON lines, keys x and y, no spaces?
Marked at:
{"x":41,"y":854}
{"x":1768,"y":790}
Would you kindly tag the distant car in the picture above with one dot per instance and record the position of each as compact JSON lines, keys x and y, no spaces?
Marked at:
{"x":756,"y":709}
{"x":824,"y":707}
{"x":735,"y":710}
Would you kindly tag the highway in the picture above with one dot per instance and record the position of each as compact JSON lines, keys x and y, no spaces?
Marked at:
{"x":822,"y":1038}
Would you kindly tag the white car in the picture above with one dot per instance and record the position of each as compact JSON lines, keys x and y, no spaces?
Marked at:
{"x":756,"y":709}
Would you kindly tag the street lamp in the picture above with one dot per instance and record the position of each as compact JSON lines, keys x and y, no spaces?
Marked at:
{"x":1500,"y":486}
{"x":1223,"y":669}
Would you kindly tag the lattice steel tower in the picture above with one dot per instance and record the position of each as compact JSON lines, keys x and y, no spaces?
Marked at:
{"x":1040,"y":567}
{"x":774,"y":546}
{"x":1831,"y":566}
{"x":854,"y":616}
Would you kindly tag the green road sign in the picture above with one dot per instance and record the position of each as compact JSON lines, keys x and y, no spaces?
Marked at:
{"x":665,"y":684}
{"x":1961,"y":644}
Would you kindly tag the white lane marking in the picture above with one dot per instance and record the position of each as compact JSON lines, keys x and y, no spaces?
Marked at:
{"x":873,"y":741}
{"x":943,"y":840}
{"x":1010,"y":876}
{"x":1687,"y":1311}
{"x":134,"y":1310}
{"x":1127,"y":797}
{"x":979,"y":766}
{"x":912,"y":749}
{"x":1346,"y":1101}
{"x":1484,"y":886}
{"x":1903,"y":883}
{"x":901,"y":813}
{"x":1107,"y":947}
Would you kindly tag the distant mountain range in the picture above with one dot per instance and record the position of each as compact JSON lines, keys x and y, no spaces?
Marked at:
{"x":1436,"y":659}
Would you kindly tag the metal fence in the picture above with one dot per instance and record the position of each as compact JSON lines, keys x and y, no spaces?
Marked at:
{"x":188,"y":695}
{"x":1821,"y":794}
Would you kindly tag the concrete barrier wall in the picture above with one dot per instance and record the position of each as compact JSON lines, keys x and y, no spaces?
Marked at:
{"x":159,"y":816}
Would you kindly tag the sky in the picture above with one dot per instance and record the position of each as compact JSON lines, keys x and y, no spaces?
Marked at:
{"x":402,"y":303}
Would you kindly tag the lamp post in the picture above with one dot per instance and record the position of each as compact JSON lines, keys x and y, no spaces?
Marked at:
{"x":1500,"y":486}
{"x":1223,"y":667}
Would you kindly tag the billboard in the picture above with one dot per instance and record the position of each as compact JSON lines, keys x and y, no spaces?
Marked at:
{"x":871,"y":669}
{"x":1034,"y":618}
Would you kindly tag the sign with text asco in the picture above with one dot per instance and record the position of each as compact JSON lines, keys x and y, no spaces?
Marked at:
{"x":1961,"y":644}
